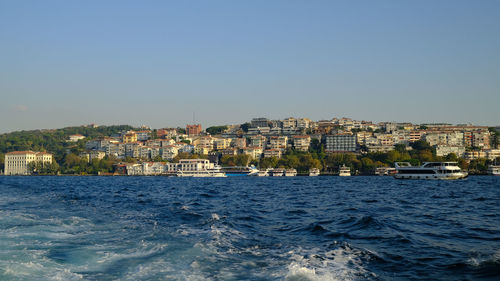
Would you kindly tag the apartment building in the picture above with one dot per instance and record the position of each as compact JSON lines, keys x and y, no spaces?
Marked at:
{"x":341,"y":143}
{"x":254,"y":152}
{"x":272,"y":153}
{"x":289,"y":122}
{"x":129,"y":137}
{"x":278,"y":142}
{"x":301,"y":143}
{"x":258,"y":141}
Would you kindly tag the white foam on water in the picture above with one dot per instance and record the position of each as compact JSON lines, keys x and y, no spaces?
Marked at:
{"x":314,"y":265}
{"x":144,"y":249}
{"x":477,"y":261}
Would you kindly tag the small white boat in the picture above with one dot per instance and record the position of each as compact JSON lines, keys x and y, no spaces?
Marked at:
{"x":429,"y":170}
{"x":494,"y":170}
{"x":314,"y":172}
{"x":278,"y":172}
{"x":344,"y":171}
{"x":290,"y":173}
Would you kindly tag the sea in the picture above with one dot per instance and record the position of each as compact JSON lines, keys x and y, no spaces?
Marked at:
{"x":249,"y":228}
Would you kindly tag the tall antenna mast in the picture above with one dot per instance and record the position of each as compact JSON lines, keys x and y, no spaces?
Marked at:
{"x":193,"y":118}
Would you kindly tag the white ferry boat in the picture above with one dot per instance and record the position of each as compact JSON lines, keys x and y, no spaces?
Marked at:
{"x":277,"y":172}
{"x":198,"y":168}
{"x":494,"y":170}
{"x":290,"y":173}
{"x":344,"y":171}
{"x":314,"y":172}
{"x":429,"y":170}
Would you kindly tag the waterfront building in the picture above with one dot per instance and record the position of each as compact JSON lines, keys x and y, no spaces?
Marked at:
{"x":17,"y":162}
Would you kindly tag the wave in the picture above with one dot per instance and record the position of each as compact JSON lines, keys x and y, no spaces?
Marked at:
{"x":342,"y":263}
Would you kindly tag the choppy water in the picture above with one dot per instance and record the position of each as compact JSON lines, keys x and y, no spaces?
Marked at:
{"x":320,"y":228}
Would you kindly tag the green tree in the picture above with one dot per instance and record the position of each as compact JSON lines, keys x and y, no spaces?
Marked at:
{"x":245,"y":127}
{"x":216,"y":130}
{"x":270,"y":162}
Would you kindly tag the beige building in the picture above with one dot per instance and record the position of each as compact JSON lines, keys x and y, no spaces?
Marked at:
{"x":220,"y":144}
{"x":272,"y":153}
{"x":278,"y":142}
{"x":17,"y":162}
{"x":254,"y":152}
{"x":301,"y":143}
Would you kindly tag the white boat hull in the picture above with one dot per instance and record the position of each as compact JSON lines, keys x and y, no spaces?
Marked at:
{"x":431,"y":177}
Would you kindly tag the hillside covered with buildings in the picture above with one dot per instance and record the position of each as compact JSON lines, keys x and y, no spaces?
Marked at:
{"x":298,"y":143}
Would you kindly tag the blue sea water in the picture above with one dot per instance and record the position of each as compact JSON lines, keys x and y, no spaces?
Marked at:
{"x":249,"y":228}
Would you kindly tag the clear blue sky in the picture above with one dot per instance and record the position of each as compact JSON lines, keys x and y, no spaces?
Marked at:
{"x":65,"y":63}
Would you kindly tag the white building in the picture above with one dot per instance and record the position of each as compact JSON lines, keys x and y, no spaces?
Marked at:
{"x":17,"y":162}
{"x":75,"y":138}
{"x":444,"y":150}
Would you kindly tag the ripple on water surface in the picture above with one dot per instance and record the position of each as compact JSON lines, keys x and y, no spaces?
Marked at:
{"x":320,"y":228}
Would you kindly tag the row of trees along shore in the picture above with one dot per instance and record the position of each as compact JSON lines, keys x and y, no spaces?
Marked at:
{"x":67,"y":161}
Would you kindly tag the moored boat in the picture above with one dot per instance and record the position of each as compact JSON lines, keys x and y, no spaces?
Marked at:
{"x":241,"y":171}
{"x":290,"y":173}
{"x":344,"y":171}
{"x":429,"y":170}
{"x":494,"y":170}
{"x":314,"y":172}
{"x":199,"y":168}
{"x":277,"y":172}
